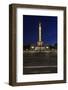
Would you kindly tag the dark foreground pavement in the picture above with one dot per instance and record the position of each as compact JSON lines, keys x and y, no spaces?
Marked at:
{"x":39,"y":63}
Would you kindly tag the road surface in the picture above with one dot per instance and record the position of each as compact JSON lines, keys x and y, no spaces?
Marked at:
{"x":39,"y":63}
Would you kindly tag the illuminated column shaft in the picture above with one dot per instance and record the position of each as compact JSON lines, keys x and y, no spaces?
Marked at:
{"x":40,"y":32}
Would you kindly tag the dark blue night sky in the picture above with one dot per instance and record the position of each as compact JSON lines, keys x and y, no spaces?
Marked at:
{"x":30,"y":29}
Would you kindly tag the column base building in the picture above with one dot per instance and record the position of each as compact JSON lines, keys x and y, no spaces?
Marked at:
{"x":40,"y":46}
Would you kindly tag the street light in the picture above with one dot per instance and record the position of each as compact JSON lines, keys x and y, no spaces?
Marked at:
{"x":47,"y":47}
{"x":32,"y":47}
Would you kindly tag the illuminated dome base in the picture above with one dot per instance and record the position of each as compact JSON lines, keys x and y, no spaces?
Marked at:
{"x":40,"y":43}
{"x":39,"y":48}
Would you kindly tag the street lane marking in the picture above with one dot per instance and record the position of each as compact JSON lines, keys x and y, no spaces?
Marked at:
{"x":40,"y":66}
